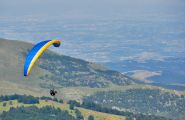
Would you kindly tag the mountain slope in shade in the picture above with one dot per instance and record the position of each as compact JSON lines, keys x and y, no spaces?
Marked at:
{"x":51,"y":70}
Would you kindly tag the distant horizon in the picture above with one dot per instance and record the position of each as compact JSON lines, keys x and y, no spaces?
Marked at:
{"x":91,"y":9}
{"x":141,"y":38}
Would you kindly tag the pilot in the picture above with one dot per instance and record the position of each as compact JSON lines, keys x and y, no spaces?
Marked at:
{"x":53,"y":92}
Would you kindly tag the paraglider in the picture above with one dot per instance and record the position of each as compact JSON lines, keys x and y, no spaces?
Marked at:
{"x":35,"y":53}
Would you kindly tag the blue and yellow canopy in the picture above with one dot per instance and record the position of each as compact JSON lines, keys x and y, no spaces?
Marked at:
{"x":36,"y":52}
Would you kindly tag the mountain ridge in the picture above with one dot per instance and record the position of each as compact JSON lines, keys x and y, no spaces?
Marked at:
{"x":53,"y":69}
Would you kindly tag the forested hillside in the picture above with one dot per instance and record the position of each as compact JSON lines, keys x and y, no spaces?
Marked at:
{"x":146,"y":101}
{"x":46,"y":108}
{"x":34,"y":113}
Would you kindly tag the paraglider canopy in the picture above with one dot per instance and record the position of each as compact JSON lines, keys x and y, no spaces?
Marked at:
{"x":36,"y":52}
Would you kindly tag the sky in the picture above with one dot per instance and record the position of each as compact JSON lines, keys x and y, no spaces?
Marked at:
{"x":90,"y":9}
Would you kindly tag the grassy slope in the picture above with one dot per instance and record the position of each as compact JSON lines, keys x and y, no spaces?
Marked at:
{"x":11,"y":68}
{"x":12,"y":55}
{"x":85,"y":112}
{"x":12,"y":80}
{"x":77,"y":93}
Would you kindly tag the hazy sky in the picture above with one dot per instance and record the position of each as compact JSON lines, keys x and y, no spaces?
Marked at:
{"x":90,"y":8}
